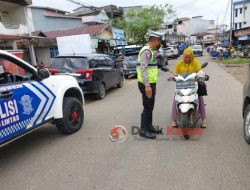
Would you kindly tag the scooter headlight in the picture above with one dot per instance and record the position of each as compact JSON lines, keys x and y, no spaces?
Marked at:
{"x":192,"y":91}
{"x":179,"y":92}
{"x":185,"y":92}
{"x":186,"y":99}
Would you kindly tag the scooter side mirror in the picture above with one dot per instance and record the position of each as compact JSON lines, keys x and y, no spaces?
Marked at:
{"x":204,"y":65}
{"x":165,"y":69}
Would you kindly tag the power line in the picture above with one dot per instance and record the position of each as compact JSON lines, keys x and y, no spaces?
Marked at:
{"x":191,"y":2}
{"x":79,"y":2}
{"x":228,"y":5}
{"x":202,"y":6}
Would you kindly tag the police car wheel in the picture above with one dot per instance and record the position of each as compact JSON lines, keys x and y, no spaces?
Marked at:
{"x":73,"y":116}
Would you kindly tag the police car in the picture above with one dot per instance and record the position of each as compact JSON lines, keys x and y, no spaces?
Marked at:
{"x":31,"y":98}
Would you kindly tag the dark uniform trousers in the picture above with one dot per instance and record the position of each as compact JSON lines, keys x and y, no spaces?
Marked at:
{"x":148,"y":104}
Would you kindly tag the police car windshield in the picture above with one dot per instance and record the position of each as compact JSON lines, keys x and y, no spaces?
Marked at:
{"x":69,"y":64}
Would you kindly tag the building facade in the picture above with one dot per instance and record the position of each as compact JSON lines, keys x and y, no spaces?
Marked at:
{"x":14,"y":23}
{"x":48,"y":19}
{"x":241,"y":14}
{"x":186,"y":29}
{"x":241,"y":23}
{"x":191,"y":26}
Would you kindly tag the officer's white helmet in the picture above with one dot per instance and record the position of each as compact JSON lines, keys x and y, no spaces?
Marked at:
{"x":151,"y":33}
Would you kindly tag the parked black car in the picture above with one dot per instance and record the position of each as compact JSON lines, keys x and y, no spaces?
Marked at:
{"x":130,"y":63}
{"x":95,"y":73}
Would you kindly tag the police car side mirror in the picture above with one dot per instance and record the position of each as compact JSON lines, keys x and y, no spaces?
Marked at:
{"x":43,"y":74}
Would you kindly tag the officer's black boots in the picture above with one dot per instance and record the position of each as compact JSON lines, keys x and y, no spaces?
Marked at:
{"x":144,"y":131}
{"x":155,"y":130}
{"x":147,"y":134}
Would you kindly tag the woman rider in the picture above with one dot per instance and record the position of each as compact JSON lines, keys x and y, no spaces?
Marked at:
{"x":188,"y":65}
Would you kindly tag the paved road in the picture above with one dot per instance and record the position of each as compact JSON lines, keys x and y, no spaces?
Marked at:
{"x":219,"y":159}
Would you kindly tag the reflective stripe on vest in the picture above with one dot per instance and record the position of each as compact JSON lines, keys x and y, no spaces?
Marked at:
{"x":152,"y":69}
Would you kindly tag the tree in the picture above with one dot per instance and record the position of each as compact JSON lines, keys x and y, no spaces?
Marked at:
{"x":137,"y":22}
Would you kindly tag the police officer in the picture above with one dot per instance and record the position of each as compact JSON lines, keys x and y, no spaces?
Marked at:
{"x":147,"y":74}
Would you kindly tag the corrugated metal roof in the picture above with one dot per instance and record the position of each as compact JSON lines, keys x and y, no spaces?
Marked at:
{"x":20,"y":2}
{"x":11,"y":37}
{"x":91,"y":30}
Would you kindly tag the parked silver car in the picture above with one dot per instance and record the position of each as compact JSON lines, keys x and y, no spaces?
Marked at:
{"x":169,"y":52}
{"x":175,"y":50}
{"x":197,"y":49}
{"x":163,"y":56}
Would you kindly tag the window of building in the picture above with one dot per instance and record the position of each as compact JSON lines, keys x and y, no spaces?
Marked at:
{"x":235,"y":26}
{"x":245,"y":8}
{"x":236,"y":12}
{"x":240,"y":25}
{"x":241,"y":10}
{"x":170,"y":26}
{"x":54,"y":52}
{"x":245,"y":23}
{"x":5,"y":16}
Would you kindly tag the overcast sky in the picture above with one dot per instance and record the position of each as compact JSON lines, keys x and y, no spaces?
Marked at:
{"x":209,"y":9}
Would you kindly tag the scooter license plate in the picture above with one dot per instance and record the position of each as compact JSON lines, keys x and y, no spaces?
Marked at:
{"x":185,"y":84}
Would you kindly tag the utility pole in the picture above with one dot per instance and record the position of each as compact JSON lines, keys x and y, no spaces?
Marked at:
{"x":231,"y":23}
{"x":76,"y":2}
{"x":216,"y":34}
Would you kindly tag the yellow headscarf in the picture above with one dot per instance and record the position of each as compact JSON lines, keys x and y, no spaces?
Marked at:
{"x":184,"y":68}
{"x":188,"y":51}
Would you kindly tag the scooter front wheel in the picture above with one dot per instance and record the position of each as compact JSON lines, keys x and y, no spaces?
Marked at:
{"x":185,"y":122}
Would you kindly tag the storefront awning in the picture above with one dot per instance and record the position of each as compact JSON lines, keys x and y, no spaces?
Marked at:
{"x":244,"y":38}
{"x":11,"y":37}
{"x":119,"y":37}
{"x":18,"y":37}
{"x":242,"y":32}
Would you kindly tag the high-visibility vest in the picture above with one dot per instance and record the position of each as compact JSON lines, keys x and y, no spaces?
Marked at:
{"x":152,"y":69}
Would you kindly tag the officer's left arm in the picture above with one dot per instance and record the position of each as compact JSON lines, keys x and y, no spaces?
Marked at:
{"x":145,"y":59}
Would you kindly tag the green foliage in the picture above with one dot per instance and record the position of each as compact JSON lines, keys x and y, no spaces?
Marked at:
{"x":236,"y":61}
{"x":137,"y":22}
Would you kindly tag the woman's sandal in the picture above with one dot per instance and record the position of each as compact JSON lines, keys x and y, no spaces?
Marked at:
{"x":174,"y":124}
{"x":204,"y":125}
